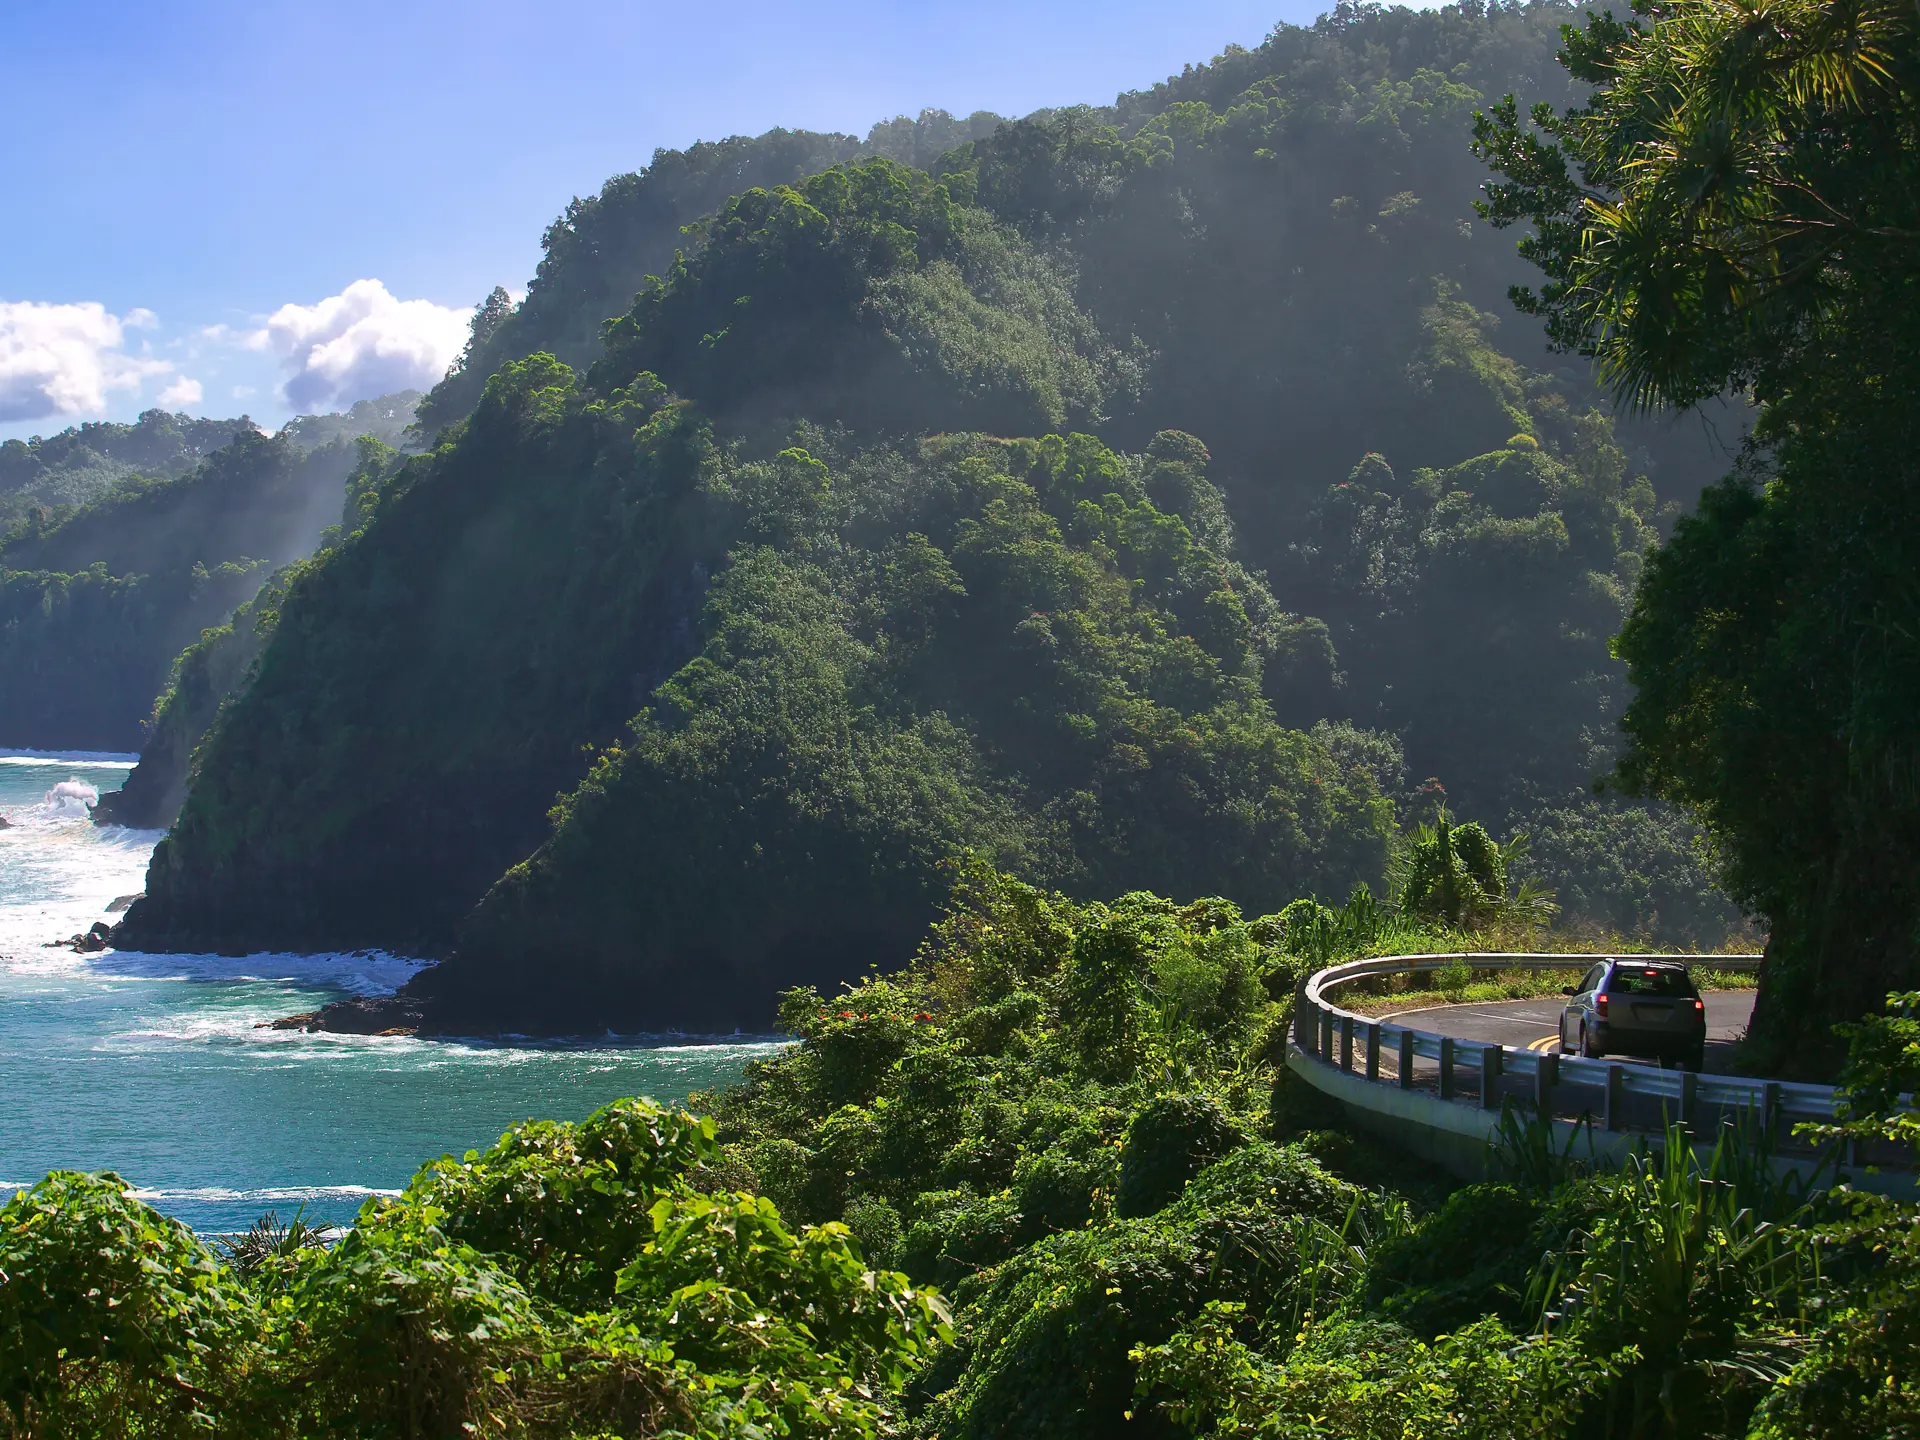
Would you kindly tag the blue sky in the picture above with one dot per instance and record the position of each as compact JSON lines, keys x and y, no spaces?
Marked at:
{"x":178,"y":173}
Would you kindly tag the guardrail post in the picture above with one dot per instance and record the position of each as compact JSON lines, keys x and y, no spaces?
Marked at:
{"x":1446,"y":1067}
{"x":1346,"y":1042}
{"x":1616,"y":1110}
{"x":1546,"y":1075}
{"x":1326,"y":1036}
{"x":1492,"y":1058}
{"x":1373,"y":1050}
{"x":1406,"y":1059}
{"x":1689,"y":1097}
{"x":1770,"y":1109}
{"x":1303,"y":1014}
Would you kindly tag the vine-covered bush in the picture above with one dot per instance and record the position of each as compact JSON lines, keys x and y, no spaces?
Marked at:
{"x":571,"y":1280}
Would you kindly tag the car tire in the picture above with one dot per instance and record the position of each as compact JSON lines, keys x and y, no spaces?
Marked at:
{"x":1588,"y":1050}
{"x":1694,"y":1060}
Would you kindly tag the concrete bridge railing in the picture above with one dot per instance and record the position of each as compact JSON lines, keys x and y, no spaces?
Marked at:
{"x":1442,"y":1097}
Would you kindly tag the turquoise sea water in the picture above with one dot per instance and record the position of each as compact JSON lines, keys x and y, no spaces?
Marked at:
{"x":151,"y":1066}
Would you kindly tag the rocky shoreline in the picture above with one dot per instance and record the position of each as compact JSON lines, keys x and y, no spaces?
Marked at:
{"x":396,"y":1014}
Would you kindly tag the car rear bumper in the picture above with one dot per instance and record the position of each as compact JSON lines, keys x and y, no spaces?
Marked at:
{"x":1632,"y":1040}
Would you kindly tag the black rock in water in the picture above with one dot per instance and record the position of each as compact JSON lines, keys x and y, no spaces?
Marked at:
{"x":361,"y":1015}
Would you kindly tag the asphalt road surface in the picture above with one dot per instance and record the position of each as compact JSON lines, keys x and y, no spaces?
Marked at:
{"x":1530,"y":1024}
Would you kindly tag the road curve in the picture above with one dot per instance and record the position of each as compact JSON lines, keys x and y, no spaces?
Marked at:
{"x":1530,"y":1024}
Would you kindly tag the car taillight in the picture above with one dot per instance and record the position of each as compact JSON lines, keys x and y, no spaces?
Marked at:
{"x":1699,"y":1004}
{"x":1600,"y":1002}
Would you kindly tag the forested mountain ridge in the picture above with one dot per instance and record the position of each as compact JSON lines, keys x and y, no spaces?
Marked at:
{"x":996,"y":648}
{"x":1295,"y":270}
{"x":604,"y":248}
{"x":96,"y":608}
{"x":84,"y":462}
{"x":97,"y":600}
{"x":828,"y":681}
{"x":1275,"y":252}
{"x":77,"y":466}
{"x":509,"y":601}
{"x":218,"y":666}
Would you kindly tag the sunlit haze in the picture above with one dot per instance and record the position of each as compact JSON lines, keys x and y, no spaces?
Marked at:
{"x":280,"y":209}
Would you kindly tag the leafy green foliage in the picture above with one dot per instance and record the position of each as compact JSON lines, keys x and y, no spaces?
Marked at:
{"x":1643,"y":869}
{"x":1453,"y":873}
{"x":1686,"y":1269}
{"x":866,"y":295}
{"x":1548,"y":531}
{"x":1738,"y":174}
{"x":1125,"y":1250}
{"x":621,"y":1301}
{"x":1855,"y":1376}
{"x":1353,"y":1378}
{"x":1046,"y":1070}
{"x":1883,"y":1064}
{"x":108,"y":1310}
{"x":1169,"y":1142}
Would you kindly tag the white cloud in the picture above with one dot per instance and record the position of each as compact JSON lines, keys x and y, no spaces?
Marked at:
{"x":181,"y":393}
{"x":227,"y":335}
{"x":359,"y":344}
{"x":65,"y":359}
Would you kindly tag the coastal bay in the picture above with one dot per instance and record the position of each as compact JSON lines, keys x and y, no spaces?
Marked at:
{"x":152,"y":1065}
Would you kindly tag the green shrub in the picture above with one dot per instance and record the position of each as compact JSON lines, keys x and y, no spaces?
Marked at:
{"x":111,"y":1316}
{"x":1168,"y":1143}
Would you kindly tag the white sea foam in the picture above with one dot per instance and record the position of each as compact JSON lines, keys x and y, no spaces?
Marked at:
{"x":269,"y":1195}
{"x":106,"y":759}
{"x":70,"y":800}
{"x":220,"y":1194}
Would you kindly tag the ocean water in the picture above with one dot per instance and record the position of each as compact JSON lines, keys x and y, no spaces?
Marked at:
{"x":151,"y":1065}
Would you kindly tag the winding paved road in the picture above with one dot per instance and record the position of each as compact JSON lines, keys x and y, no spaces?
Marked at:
{"x":1530,"y":1024}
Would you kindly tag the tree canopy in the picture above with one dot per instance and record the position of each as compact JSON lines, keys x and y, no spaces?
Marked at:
{"x":1737,"y":207}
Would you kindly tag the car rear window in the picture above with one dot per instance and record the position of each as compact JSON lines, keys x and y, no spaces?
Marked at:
{"x":1649,"y":980}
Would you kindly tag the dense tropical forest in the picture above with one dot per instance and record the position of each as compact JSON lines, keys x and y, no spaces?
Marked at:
{"x":904,"y":620}
{"x":1052,"y":1179}
{"x":1142,"y":495}
{"x":129,"y":541}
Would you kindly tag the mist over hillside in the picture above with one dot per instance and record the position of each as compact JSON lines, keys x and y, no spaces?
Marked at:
{"x":133,"y":539}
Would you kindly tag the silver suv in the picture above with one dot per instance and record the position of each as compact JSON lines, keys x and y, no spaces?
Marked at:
{"x":1636,"y":1007}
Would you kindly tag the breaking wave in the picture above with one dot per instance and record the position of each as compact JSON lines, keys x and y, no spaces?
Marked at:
{"x":103,"y":759}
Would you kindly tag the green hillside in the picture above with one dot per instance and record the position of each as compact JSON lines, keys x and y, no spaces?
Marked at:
{"x":97,"y":600}
{"x":604,"y":248}
{"x":93,"y":610}
{"x":1272,"y":256}
{"x":983,"y":647}
{"x":82,"y":463}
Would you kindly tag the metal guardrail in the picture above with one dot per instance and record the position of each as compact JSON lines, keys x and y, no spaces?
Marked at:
{"x":1617,"y":1096}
